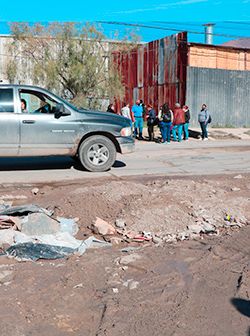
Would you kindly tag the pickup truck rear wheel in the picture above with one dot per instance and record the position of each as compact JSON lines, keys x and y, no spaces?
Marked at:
{"x":97,"y":153}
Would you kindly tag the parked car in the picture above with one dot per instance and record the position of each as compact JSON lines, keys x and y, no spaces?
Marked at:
{"x":35,"y":122}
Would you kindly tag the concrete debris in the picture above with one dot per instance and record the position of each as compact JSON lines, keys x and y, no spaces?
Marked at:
{"x":30,"y":233}
{"x":131,"y":284}
{"x":208,"y":228}
{"x":182,"y":235}
{"x":116,"y":240}
{"x":120,"y":223}
{"x":129,"y":259}
{"x":195,"y":228}
{"x":39,"y":224}
{"x":6,"y":276}
{"x":157,"y":240}
{"x":103,"y":228}
{"x":129,"y":249}
{"x":68,"y":225}
{"x":7,"y":222}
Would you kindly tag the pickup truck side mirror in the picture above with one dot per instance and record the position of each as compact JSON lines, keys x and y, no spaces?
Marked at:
{"x":59,"y":111}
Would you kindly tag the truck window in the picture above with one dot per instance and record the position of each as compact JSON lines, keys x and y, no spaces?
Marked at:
{"x":36,"y":102}
{"x":6,"y":100}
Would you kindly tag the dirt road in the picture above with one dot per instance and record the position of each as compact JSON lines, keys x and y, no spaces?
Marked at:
{"x":187,"y":158}
{"x":194,"y":287}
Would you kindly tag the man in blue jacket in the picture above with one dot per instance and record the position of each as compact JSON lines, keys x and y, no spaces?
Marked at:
{"x":137,"y":111}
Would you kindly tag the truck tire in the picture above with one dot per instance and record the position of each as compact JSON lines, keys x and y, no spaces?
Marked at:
{"x":97,"y":153}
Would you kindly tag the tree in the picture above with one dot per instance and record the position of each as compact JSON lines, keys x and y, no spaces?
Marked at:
{"x":71,"y":60}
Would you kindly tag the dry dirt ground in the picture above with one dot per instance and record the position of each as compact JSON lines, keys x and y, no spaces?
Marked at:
{"x":195,"y":287}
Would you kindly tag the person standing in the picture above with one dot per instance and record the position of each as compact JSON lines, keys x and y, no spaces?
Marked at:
{"x":179,"y":121}
{"x":187,"y":118}
{"x":111,"y":108}
{"x":151,"y":122}
{"x":125,"y":111}
{"x":137,"y":111}
{"x":166,"y":120}
{"x":203,"y":118}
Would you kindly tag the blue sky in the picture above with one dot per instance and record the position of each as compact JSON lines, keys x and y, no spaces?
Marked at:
{"x":187,"y":14}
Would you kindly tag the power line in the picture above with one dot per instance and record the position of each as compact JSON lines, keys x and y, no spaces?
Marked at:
{"x":165,"y":28}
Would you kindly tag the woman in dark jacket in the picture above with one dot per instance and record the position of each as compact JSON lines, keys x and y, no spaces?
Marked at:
{"x":166,"y":120}
{"x":151,"y":122}
{"x":187,"y":118}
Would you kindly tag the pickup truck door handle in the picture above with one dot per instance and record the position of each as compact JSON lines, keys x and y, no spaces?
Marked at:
{"x":28,"y":121}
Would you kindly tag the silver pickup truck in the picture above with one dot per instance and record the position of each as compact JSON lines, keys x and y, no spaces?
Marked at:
{"x":35,"y":122}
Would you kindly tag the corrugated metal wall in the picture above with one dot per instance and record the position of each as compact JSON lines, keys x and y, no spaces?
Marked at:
{"x":226,"y":92}
{"x":155,"y":72}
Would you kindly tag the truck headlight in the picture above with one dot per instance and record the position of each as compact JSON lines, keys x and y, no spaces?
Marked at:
{"x":126,"y":131}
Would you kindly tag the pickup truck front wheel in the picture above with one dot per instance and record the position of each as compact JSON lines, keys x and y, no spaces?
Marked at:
{"x":97,"y":153}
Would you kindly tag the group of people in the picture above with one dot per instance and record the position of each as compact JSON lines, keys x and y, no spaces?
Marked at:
{"x":172,"y":124}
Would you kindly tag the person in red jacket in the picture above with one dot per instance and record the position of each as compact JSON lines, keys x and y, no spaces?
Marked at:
{"x":179,"y":121}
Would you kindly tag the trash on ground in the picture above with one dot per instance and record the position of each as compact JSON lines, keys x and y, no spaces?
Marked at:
{"x":30,"y":233}
{"x":35,"y":251}
{"x":24,"y":210}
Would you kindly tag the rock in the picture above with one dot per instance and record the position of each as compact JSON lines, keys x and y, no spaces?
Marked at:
{"x":195,"y":228}
{"x":129,"y":259}
{"x":115,"y":290}
{"x":80,"y":285}
{"x":103,"y":228}
{"x":170,"y":238}
{"x":116,"y":240}
{"x":157,"y":240}
{"x":37,"y":224}
{"x":120,"y":223}
{"x":129,"y":249}
{"x":207,"y":227}
{"x":131,"y":284}
{"x":235,"y":189}
{"x":182,"y":235}
{"x":6,"y":276}
{"x":238,"y":177}
{"x":35,"y":191}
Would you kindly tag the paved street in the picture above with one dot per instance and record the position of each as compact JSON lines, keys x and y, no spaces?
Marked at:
{"x":187,"y":158}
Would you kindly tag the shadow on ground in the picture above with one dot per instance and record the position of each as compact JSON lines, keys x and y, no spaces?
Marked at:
{"x":243,"y":306}
{"x":44,"y":163}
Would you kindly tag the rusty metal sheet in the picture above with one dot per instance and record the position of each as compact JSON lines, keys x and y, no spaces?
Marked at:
{"x":140,"y":67}
{"x":156,"y":72}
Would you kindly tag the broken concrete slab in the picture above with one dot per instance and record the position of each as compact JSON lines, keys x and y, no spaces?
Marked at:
{"x":36,"y":224}
{"x":195,"y":228}
{"x":103,"y":228}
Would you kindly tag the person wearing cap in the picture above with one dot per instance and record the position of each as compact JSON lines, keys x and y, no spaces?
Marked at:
{"x":137,"y":111}
{"x":179,"y":121}
{"x":187,"y":118}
